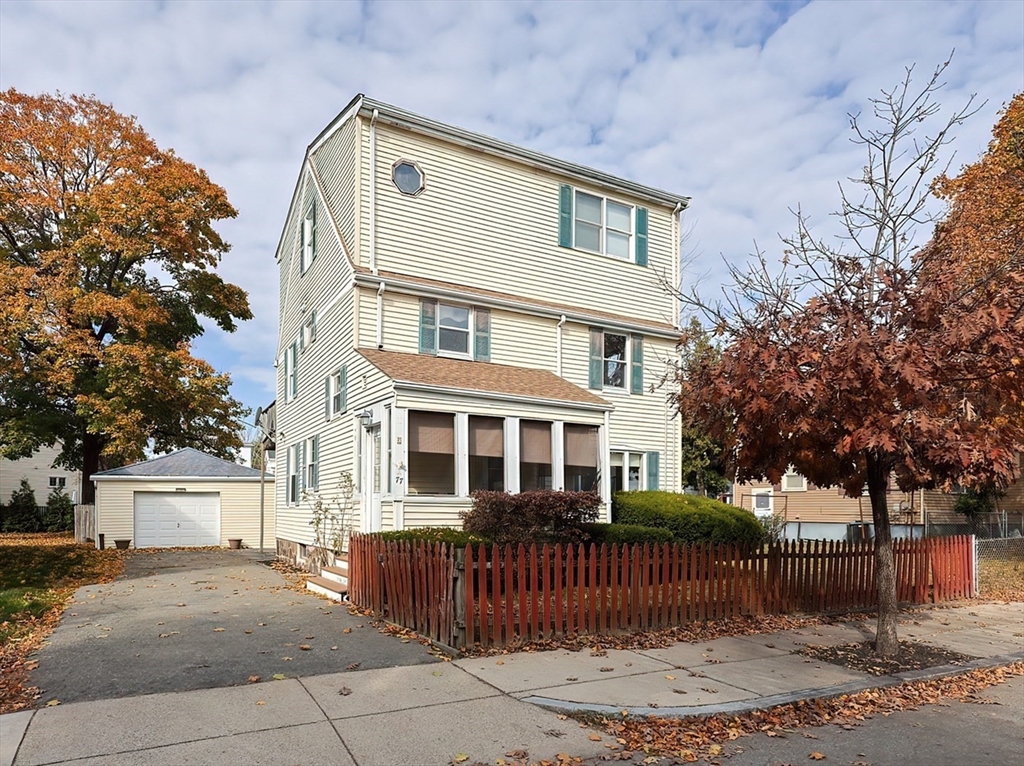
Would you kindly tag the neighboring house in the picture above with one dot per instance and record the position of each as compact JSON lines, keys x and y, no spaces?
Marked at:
{"x":186,"y":498}
{"x":41,"y":475}
{"x":826,"y":513}
{"x":458,"y":313}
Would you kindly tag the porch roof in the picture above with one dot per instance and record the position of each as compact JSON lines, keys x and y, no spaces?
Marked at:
{"x":457,"y":375}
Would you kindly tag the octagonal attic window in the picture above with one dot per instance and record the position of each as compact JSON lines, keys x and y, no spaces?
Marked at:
{"x":407,"y":177}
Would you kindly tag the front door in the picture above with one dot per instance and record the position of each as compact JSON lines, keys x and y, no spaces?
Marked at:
{"x":373,"y":478}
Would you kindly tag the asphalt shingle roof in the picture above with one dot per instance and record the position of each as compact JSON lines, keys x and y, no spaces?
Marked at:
{"x":184,"y":462}
{"x":479,"y":376}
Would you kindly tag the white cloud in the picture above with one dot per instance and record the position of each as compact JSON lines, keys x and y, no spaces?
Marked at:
{"x":741,"y":105}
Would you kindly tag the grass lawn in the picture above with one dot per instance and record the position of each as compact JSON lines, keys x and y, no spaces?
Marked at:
{"x":38,"y":574}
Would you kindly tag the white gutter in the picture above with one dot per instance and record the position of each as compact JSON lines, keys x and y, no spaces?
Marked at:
{"x":677,"y":249}
{"x":373,"y":191}
{"x":410,"y":386}
{"x":170,"y":479}
{"x":522,"y":307}
{"x":558,"y":346}
{"x":380,"y":316}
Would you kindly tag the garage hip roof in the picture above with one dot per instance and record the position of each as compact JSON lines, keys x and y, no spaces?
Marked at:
{"x":186,"y":463}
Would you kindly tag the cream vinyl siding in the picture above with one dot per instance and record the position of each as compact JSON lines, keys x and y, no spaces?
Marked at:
{"x":434,"y":513}
{"x":37,"y":468}
{"x":336,"y":163}
{"x":239,"y":507}
{"x":493,"y":223}
{"x":640,"y":422}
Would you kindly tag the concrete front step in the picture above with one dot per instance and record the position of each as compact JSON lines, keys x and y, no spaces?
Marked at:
{"x":337,"y":573}
{"x":329,"y":588}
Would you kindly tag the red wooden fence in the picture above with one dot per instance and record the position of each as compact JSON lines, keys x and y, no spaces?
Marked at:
{"x":495,"y":595}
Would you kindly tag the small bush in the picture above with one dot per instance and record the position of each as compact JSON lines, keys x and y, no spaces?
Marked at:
{"x":627,"y":534}
{"x":540,"y":516}
{"x":691,"y":518}
{"x":60,"y":512}
{"x":22,"y":514}
{"x":457,"y":537}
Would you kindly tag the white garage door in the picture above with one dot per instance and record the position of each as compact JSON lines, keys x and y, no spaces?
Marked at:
{"x":165,"y":519}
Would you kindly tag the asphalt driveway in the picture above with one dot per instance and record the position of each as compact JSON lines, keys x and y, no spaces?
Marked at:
{"x":181,"y":620}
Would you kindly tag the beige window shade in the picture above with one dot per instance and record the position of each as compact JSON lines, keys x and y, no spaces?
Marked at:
{"x":486,"y":437}
{"x":432,"y":432}
{"x":581,"y":445}
{"x":536,"y":441}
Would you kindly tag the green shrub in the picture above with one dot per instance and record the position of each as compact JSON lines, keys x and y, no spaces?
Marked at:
{"x":540,"y":516}
{"x":457,"y":537}
{"x":690,"y":518}
{"x":627,"y":534}
{"x":60,"y":512}
{"x":22,"y":514}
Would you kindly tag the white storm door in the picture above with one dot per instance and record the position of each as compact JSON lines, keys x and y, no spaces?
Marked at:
{"x":373,"y":473}
{"x":175,"y":519}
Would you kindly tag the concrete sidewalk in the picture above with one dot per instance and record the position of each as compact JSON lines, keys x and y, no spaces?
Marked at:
{"x":475,"y":710}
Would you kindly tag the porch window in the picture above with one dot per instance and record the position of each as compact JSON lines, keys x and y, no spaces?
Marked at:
{"x":535,"y":455}
{"x":581,"y":458}
{"x":486,"y":454}
{"x":431,"y":453}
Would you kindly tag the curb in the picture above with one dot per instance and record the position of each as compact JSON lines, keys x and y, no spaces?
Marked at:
{"x":774,"y":700}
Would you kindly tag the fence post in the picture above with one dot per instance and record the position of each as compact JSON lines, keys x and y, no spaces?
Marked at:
{"x":974,"y":566}
{"x":459,"y":578}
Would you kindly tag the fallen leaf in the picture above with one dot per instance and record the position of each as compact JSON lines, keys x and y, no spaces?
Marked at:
{"x":344,"y":691}
{"x":279,"y":676}
{"x":347,"y":630}
{"x":218,"y":630}
{"x":595,"y":737}
{"x":254,"y":679}
{"x":53,"y":703}
{"x":715,"y":749}
{"x":816,"y":756}
{"x":261,"y":702}
{"x":305,"y":647}
{"x":671,"y":678}
{"x":352,"y":666}
{"x":607,"y":670}
{"x":460,"y":758}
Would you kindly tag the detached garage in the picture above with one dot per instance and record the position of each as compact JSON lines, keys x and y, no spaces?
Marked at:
{"x":183,"y":499}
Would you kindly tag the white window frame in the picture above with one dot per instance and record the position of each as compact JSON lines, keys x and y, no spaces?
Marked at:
{"x":627,"y":362}
{"x":293,"y":485}
{"x":311,"y":469}
{"x":642,"y":479}
{"x":754,"y":494}
{"x":470,"y":332}
{"x":58,"y":482}
{"x":291,"y":371}
{"x":308,"y":254}
{"x":790,"y":473}
{"x":308,"y":333}
{"x":335,"y":403}
{"x":604,"y":227}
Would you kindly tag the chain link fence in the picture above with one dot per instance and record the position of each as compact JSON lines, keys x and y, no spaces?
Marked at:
{"x":999,"y":535}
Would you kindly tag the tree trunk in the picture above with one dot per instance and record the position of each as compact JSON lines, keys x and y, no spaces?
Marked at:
{"x":91,"y":447}
{"x":886,"y":642}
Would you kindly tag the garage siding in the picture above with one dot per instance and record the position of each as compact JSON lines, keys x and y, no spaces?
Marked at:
{"x":239,"y":507}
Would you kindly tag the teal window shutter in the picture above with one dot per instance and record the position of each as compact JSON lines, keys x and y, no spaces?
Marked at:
{"x":302,"y":245}
{"x":653,"y":469}
{"x":288,"y":475}
{"x":327,"y":398}
{"x":596,"y":358}
{"x":302,"y":464}
{"x":428,"y":327}
{"x":637,"y":370}
{"x":315,"y":478}
{"x":312,"y":230}
{"x":482,"y":335}
{"x":641,"y":236}
{"x":565,"y":216}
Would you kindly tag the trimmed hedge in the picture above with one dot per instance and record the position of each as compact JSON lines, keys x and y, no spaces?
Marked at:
{"x":539,"y":516}
{"x":457,"y":537}
{"x":690,"y":518}
{"x":627,"y":534}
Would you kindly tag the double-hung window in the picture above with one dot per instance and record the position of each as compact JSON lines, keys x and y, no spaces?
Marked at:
{"x":308,"y":334}
{"x":307,"y":244}
{"x":294,"y":471}
{"x":291,"y":371}
{"x":616,"y":361}
{"x":336,"y":391}
{"x":58,"y":481}
{"x":312,"y":460}
{"x":449,"y":329}
{"x":602,"y":225}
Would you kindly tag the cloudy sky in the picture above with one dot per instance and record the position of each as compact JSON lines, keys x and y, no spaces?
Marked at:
{"x":741,"y":105}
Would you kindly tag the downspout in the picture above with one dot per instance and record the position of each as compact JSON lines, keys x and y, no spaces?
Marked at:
{"x":677,"y":268}
{"x":373,"y":191}
{"x":558,"y":346}
{"x":380,"y":316}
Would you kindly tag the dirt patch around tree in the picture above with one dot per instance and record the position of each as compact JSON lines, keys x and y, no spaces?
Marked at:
{"x":861,"y":656}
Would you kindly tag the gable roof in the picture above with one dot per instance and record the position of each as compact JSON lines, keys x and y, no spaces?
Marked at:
{"x":425,"y":285}
{"x":185,"y":463}
{"x":464,"y":376}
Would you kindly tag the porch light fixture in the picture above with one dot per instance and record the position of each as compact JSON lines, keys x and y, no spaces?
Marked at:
{"x":365,"y":418}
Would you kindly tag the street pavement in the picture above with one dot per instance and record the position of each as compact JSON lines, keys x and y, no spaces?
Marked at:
{"x":476,"y":710}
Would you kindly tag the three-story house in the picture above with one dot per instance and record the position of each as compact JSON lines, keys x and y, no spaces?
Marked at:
{"x":457,"y":314}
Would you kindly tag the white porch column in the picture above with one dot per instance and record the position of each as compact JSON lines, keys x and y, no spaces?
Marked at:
{"x":462,"y":454}
{"x":605,"y":467}
{"x":558,"y":455}
{"x":512,"y":455}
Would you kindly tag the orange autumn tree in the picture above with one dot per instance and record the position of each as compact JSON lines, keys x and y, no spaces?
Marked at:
{"x":108,"y":253}
{"x":872,"y":360}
